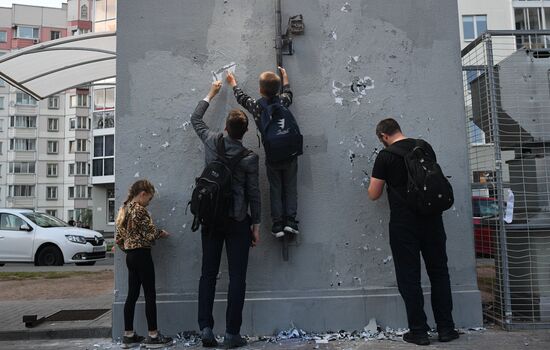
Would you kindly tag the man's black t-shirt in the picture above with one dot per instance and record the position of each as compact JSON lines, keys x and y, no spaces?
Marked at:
{"x":391,"y":168}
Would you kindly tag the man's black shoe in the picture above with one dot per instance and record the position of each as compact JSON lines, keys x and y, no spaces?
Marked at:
{"x":130,"y":342}
{"x":231,"y":341}
{"x":416,"y":338}
{"x":208,"y":338}
{"x":447,"y":335}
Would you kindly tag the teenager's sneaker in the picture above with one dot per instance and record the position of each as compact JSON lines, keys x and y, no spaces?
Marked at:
{"x":130,"y":342}
{"x":160,"y":341}
{"x":231,"y":341}
{"x":208,"y":338}
{"x":416,"y":338}
{"x":447,"y":335}
{"x":277,"y":229}
{"x":291,"y":226}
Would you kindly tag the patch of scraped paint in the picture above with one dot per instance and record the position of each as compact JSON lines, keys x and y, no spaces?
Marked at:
{"x":346,"y":7}
{"x":353,"y":91}
{"x":333,"y":34}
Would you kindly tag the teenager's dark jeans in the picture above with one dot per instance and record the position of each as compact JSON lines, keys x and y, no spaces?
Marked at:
{"x":283,"y":190}
{"x":141,"y":272}
{"x":409,"y":237}
{"x":237,"y":238}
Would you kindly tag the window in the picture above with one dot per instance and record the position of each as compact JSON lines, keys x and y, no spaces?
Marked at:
{"x":78,"y":168}
{"x":3,"y":36}
{"x":53,"y":147}
{"x":83,"y":12}
{"x":53,"y":102}
{"x":1,"y":125}
{"x":54,"y":34}
{"x":24,"y":99}
{"x":79,"y":100}
{"x":111,"y":205}
{"x":23,"y":121}
{"x":1,"y":102}
{"x":473,"y":26}
{"x":53,"y":124}
{"x":52,"y":169}
{"x":0,"y":147}
{"x":22,"y":168}
{"x":51,"y":212}
{"x":21,"y":191}
{"x":78,"y":192}
{"x":81,"y":145}
{"x":51,"y":192}
{"x":10,"y":222}
{"x":22,"y":144}
{"x":104,"y":150}
{"x":24,"y":32}
{"x":79,"y":123}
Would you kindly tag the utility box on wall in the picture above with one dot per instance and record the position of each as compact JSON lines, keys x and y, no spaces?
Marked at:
{"x":354,"y":65}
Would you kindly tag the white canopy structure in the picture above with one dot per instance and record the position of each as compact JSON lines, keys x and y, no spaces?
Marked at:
{"x":45,"y":69}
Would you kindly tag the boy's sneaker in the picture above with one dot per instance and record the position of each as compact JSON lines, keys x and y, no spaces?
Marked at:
{"x":233,"y":341}
{"x":416,"y":338}
{"x":130,"y":342}
{"x":291,"y":226}
{"x":160,"y":341}
{"x":208,"y":338}
{"x":447,"y":335}
{"x":277,"y":229}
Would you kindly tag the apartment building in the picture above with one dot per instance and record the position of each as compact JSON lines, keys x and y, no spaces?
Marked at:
{"x":45,"y":145}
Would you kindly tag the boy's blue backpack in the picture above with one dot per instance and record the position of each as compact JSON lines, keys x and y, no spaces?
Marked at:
{"x":281,"y":135}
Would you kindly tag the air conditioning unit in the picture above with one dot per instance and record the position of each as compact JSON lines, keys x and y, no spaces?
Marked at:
{"x":35,"y":41}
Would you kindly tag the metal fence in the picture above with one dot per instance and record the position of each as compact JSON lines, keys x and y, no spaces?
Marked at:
{"x":507,"y":96}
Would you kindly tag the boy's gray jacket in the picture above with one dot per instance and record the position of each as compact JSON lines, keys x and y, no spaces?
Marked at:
{"x":245,"y":185}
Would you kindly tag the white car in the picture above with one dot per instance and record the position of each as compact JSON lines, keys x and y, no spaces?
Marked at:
{"x":29,"y":236}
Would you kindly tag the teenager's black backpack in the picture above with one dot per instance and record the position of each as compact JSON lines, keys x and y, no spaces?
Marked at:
{"x":211,"y":198}
{"x":281,"y":135}
{"x":428,"y":190}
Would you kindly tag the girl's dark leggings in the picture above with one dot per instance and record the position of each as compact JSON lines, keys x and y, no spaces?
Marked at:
{"x":141,"y":272}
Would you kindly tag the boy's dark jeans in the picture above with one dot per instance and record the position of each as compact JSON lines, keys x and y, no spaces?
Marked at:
{"x":411,"y":236}
{"x":237,"y":238}
{"x":283,"y":190}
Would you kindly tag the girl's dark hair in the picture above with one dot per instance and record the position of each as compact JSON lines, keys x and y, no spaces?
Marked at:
{"x":136,"y":188}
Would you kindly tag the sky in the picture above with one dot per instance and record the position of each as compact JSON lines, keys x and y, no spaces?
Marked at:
{"x":48,"y":3}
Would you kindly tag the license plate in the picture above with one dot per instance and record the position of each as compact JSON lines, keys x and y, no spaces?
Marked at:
{"x":99,"y":249}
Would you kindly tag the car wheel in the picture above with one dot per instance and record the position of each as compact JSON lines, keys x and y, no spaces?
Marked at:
{"x":87,"y":263}
{"x":50,"y":256}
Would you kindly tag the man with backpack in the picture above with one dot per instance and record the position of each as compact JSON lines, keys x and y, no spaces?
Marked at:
{"x":223,"y":193}
{"x":282,"y":142}
{"x":418,"y":193}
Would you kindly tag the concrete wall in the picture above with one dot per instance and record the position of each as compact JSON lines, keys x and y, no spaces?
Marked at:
{"x":339,"y":275}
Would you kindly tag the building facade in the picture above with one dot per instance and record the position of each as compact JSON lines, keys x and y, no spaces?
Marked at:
{"x":45,"y":145}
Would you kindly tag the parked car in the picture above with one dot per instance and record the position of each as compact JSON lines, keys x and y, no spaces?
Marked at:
{"x":30,"y":236}
{"x":484,"y":236}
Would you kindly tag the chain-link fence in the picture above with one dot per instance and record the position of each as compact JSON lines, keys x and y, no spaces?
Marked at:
{"x":507,"y":95}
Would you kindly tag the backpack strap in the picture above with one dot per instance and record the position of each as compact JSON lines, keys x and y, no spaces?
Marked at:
{"x":220,"y":149}
{"x":399,"y":151}
{"x":269,"y":109}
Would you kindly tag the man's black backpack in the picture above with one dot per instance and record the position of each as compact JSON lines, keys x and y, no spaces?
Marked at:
{"x":212,"y":197}
{"x":428,"y":190}
{"x":281,"y":135}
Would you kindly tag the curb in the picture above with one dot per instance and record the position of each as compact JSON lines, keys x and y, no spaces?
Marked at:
{"x":62,"y":333}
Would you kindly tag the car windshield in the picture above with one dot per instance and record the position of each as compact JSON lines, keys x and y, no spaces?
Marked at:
{"x":45,"y":220}
{"x":488,"y":208}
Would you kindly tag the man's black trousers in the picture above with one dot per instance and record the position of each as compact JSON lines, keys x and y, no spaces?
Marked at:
{"x":237,"y":238}
{"x":410,"y":237}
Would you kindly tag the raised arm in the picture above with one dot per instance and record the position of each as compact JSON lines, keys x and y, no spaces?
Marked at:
{"x":202,"y":130}
{"x":250,"y":104}
{"x":286,"y":95}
